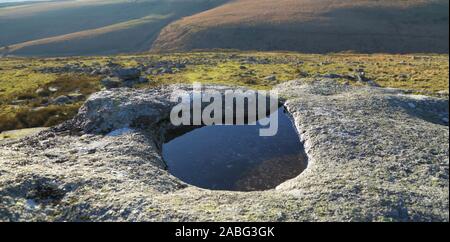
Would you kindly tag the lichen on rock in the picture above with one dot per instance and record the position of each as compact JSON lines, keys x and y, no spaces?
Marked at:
{"x":372,"y":157}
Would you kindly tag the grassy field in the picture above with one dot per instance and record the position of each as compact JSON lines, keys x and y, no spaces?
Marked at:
{"x":20,"y":78}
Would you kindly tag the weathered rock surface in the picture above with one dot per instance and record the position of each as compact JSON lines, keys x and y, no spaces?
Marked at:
{"x":372,"y":157}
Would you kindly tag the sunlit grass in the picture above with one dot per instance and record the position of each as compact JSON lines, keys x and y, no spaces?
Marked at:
{"x":19,"y":78}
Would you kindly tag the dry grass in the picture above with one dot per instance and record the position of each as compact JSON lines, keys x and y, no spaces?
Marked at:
{"x":314,"y":26}
{"x":46,"y":117}
{"x":269,"y":11}
{"x":23,"y":108}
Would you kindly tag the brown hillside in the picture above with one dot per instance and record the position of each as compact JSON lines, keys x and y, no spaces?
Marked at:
{"x":90,"y":27}
{"x":395,"y":26}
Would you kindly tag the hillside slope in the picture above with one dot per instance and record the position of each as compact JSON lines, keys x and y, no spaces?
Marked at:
{"x":87,"y":27}
{"x":318,"y":26}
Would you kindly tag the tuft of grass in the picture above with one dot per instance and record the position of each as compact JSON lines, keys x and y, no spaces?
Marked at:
{"x":24,"y":108}
{"x":17,"y":134}
{"x":47,"y":116}
{"x":44,"y":117}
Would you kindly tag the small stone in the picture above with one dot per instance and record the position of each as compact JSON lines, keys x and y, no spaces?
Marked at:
{"x":128,"y":73}
{"x":61,"y":100}
{"x":76,"y":96}
{"x":331,"y":76}
{"x":38,"y":109}
{"x":18,"y":102}
{"x":270,"y":78}
{"x":111,"y":82}
{"x":87,"y":151}
{"x":53,"y":89}
{"x":411,"y":105}
{"x":91,"y":150}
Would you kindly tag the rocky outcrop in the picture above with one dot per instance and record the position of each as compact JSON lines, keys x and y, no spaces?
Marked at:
{"x":374,"y":155}
{"x":149,"y":67}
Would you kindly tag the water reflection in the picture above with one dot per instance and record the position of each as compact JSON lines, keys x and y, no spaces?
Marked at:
{"x":236,"y":157}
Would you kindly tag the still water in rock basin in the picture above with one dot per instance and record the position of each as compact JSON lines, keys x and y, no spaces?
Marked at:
{"x":235,"y":157}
